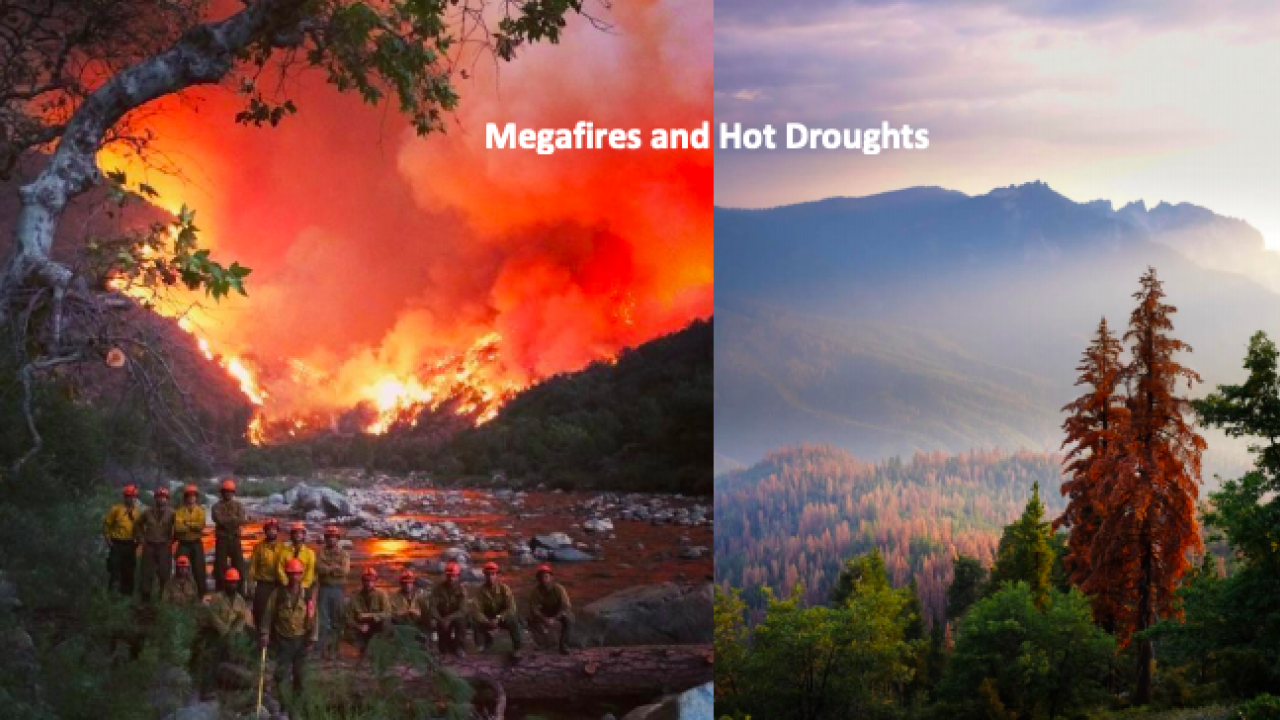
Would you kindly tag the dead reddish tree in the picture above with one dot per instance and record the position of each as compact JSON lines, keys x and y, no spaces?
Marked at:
{"x":1093,"y":430}
{"x":1149,"y":500}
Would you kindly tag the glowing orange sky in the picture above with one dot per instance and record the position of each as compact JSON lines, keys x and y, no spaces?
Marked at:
{"x":374,"y":250}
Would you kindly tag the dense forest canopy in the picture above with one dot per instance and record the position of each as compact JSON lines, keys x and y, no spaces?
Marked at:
{"x":797,"y":516}
{"x":640,"y":423}
{"x":1070,"y":614}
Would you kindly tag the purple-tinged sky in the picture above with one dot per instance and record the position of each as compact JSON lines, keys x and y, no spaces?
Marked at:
{"x":1157,"y":100}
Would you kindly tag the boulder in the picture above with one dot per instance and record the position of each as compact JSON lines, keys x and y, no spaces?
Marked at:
{"x":456,"y":554}
{"x":569,"y":555}
{"x":598,"y":525}
{"x":306,"y":498}
{"x":664,"y":614}
{"x":551,"y":541}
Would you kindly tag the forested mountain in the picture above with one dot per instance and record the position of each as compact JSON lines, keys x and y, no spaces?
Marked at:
{"x":643,"y":422}
{"x":799,"y":514}
{"x":640,"y":423}
{"x":925,"y":319}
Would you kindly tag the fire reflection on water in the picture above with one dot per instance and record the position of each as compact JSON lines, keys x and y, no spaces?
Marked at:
{"x":636,"y":553}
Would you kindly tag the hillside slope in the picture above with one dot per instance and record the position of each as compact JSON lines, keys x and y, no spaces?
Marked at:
{"x":925,"y":319}
{"x":800,"y":513}
{"x":641,"y":423}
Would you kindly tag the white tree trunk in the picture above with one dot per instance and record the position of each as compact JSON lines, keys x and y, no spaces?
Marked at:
{"x":204,"y":55}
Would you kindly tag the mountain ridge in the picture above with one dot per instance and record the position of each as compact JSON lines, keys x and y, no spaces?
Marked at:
{"x":1008,"y":286}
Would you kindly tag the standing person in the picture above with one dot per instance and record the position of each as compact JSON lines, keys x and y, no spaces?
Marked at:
{"x":155,"y":530}
{"x":410,"y":606}
{"x":332,"y":567}
{"x":122,"y":544}
{"x":495,"y":609}
{"x":549,"y":605}
{"x":188,"y":526}
{"x":297,"y":550}
{"x":264,"y":568}
{"x":369,"y":610}
{"x":228,"y":518}
{"x":290,"y":629}
{"x":449,"y":612}
{"x":181,"y":588}
{"x":222,"y":621}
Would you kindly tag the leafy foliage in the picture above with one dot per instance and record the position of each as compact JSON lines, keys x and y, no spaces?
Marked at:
{"x":164,"y":255}
{"x":1028,"y":661}
{"x":851,"y":659}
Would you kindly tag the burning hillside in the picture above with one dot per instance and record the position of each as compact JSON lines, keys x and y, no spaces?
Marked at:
{"x":398,"y":278}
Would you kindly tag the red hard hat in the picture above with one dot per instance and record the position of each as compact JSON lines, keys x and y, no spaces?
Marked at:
{"x":162,"y":491}
{"x":185,"y":562}
{"x":544,"y":568}
{"x":369,"y":574}
{"x":452,"y":569}
{"x":293,"y":567}
{"x":131,"y":491}
{"x":295,"y":527}
{"x":231,"y":575}
{"x":191,"y":490}
{"x":270,"y":522}
{"x":228,"y":485}
{"x":491,"y":566}
{"x":407,"y":576}
{"x":332,"y":530}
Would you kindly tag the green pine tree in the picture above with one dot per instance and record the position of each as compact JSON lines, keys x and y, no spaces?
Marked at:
{"x":1025,"y":553}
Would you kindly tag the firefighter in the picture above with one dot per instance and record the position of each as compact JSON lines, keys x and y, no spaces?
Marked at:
{"x":449,"y":612}
{"x":228,"y":518}
{"x":369,"y":610}
{"x":188,"y":526}
{"x":181,"y":589}
{"x":410,"y":606}
{"x":290,"y":628}
{"x":333,"y":564}
{"x":155,"y":531}
{"x":297,"y":550}
{"x":549,"y":605}
{"x":494,"y":608}
{"x":221,"y":623}
{"x":122,"y":545}
{"x":264,"y":567}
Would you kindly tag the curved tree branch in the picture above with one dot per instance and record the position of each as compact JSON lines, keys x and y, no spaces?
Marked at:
{"x":204,"y":55}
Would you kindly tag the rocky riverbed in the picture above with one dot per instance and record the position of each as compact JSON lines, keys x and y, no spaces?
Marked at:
{"x":637,"y":566}
{"x":599,"y":543}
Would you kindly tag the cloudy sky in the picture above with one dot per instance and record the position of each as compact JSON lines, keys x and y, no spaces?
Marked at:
{"x":1175,"y":100}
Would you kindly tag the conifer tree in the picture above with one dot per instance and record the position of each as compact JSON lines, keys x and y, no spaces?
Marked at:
{"x":1149,"y":521}
{"x":1095,"y":421}
{"x":1024,"y":554}
{"x":969,"y":579}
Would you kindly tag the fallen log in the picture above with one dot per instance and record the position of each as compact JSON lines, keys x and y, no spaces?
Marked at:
{"x":585,"y":673}
{"x":599,"y":672}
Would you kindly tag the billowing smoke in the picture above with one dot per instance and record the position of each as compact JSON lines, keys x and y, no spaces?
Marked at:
{"x":378,"y":253}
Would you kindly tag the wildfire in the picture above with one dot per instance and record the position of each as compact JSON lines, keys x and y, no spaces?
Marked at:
{"x":464,"y":381}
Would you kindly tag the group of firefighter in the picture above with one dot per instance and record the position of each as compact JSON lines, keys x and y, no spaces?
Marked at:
{"x":290,"y":597}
